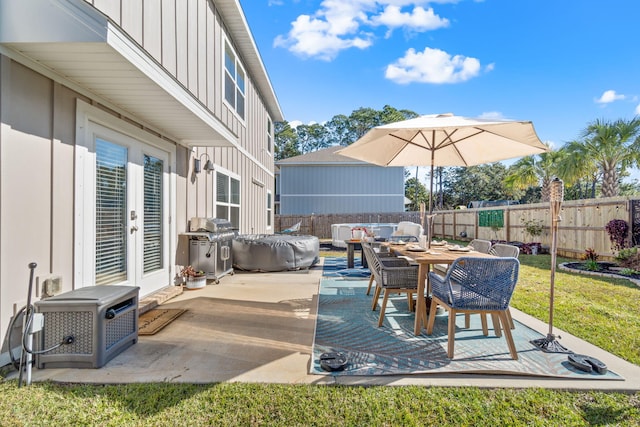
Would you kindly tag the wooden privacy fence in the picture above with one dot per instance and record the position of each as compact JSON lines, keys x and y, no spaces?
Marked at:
{"x":582,"y":225}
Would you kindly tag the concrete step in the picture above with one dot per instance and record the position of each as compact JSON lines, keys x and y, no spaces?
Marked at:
{"x":155,"y":299}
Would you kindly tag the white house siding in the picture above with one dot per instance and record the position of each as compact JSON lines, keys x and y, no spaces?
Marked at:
{"x":190,"y":47}
{"x":326,"y":189}
{"x":38,"y":137}
{"x":37,"y":142}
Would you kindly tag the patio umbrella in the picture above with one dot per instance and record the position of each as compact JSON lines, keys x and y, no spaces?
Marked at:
{"x":445,"y":140}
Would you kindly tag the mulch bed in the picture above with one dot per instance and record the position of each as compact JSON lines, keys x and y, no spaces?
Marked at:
{"x":605,"y":267}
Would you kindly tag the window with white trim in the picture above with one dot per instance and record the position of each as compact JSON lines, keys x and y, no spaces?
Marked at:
{"x":269,"y":209}
{"x":228,"y":198}
{"x":234,"y":81}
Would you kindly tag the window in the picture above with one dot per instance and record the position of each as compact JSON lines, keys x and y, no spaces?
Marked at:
{"x":111,"y":212}
{"x":153,"y":214}
{"x":234,"y":78}
{"x":269,"y":135}
{"x":269,"y":209}
{"x":228,"y":198}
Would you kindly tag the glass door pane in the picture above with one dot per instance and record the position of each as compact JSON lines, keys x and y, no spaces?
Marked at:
{"x":153,"y":214}
{"x":111,"y":213}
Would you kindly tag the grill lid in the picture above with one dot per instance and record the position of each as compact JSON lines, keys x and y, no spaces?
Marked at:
{"x":210,"y":225}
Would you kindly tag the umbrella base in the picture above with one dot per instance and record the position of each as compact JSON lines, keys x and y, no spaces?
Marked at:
{"x":550,"y":345}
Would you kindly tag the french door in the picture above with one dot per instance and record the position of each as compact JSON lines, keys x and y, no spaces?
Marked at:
{"x":128,"y":199}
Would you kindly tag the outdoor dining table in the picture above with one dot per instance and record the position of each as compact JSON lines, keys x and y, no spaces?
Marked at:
{"x":425,"y":259}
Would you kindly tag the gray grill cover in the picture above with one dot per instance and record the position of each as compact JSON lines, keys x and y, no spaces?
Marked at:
{"x":273,"y":252}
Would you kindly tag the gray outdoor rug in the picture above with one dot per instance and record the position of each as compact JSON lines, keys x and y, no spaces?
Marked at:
{"x":345,"y":323}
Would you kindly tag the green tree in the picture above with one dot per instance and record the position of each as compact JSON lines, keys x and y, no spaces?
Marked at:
{"x":482,"y":182}
{"x":613,"y":147}
{"x":312,"y":137}
{"x":338,"y":130}
{"x":391,"y":115}
{"x":579,"y":171}
{"x":415,"y":191}
{"x":361,"y":120}
{"x":285,"y":141}
{"x":532,"y":171}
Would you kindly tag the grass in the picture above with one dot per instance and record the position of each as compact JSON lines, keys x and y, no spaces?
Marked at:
{"x":605,"y":312}
{"x":234,"y":404}
{"x":602,"y":311}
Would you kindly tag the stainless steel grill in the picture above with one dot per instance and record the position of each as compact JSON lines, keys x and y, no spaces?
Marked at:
{"x":210,"y":246}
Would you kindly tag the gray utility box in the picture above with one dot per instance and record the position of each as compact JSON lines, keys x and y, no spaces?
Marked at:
{"x":103,"y":321}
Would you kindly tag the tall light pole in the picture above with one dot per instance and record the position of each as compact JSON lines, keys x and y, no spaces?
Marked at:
{"x":549,"y":344}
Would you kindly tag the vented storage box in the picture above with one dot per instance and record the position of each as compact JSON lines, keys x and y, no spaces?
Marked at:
{"x":103,"y":321}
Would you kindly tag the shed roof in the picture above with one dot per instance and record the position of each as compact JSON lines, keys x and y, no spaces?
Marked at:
{"x":325,"y":156}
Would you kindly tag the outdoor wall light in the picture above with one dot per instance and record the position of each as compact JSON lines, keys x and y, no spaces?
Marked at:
{"x":208,"y":166}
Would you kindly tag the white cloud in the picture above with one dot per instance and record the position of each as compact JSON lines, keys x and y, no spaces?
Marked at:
{"x":333,"y":28}
{"x":418,"y":19}
{"x":609,"y":96}
{"x":312,"y":37}
{"x":638,"y":110}
{"x":433,"y":66}
{"x":343,"y":24}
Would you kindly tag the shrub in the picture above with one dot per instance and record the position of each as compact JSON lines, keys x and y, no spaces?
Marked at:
{"x":628,"y":271}
{"x":592,"y":265}
{"x":590,"y":254}
{"x":626,"y":253}
{"x":533,"y":227}
{"x":618,"y":230}
{"x":590,"y":258}
{"x":527,"y":248}
{"x":632,"y":261}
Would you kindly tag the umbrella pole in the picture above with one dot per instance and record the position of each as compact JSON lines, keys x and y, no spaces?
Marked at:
{"x":549,"y":344}
{"x":433,"y":153}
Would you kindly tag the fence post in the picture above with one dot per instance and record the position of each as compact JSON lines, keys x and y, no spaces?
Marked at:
{"x":312,"y":225}
{"x":507,"y":224}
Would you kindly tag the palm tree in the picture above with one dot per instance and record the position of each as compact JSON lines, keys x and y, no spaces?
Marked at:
{"x":576,"y":168}
{"x":531,"y":171}
{"x":613,"y":147}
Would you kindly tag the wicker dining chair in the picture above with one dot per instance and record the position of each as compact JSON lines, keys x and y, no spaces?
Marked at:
{"x":504,"y":250}
{"x":387,"y":258}
{"x":500,"y":250}
{"x":482,"y":285}
{"x":391,"y":279}
{"x":478,"y":245}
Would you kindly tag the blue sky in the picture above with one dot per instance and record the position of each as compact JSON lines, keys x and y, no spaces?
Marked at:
{"x":557,"y":63}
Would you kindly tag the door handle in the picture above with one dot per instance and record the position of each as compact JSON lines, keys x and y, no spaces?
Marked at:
{"x":134,"y":229}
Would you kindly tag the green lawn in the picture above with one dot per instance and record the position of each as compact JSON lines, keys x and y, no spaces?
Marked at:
{"x":602,"y":311}
{"x":306,"y":405}
{"x":605,"y":312}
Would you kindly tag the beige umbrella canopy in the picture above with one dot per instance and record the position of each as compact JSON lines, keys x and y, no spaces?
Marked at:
{"x":445,"y":140}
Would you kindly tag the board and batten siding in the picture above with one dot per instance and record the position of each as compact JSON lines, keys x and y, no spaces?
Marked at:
{"x":187,"y":38}
{"x":37,"y":151}
{"x":306,"y":189}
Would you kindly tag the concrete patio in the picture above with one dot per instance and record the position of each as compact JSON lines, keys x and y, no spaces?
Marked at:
{"x":259,"y":327}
